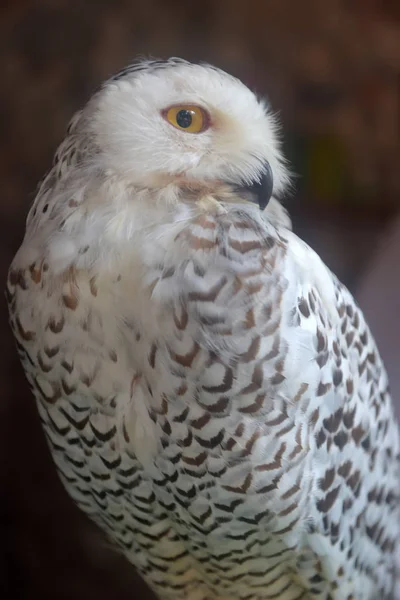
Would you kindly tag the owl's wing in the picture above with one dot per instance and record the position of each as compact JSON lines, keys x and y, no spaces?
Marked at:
{"x":276,"y":348}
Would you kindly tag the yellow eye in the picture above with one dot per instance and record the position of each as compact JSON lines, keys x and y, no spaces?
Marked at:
{"x":192,"y":119}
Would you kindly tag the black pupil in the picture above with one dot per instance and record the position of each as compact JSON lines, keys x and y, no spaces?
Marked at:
{"x":184,"y":118}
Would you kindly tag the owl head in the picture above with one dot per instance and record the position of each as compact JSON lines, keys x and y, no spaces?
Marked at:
{"x":162,"y":122}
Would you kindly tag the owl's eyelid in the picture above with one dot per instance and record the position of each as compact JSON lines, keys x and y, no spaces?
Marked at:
{"x":184,"y":105}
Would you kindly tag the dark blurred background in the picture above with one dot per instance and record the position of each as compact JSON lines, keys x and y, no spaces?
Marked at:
{"x":332,"y":70}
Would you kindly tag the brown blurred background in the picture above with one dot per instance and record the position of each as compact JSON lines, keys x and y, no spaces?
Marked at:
{"x":331,"y":68}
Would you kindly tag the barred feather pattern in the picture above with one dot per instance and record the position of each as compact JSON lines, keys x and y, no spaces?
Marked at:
{"x":225,"y":417}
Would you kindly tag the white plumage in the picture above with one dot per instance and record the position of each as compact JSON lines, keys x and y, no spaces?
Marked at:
{"x":211,"y":394}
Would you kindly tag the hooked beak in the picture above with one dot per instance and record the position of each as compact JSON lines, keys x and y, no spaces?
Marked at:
{"x":261,"y":190}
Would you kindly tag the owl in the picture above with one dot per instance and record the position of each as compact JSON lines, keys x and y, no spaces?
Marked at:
{"x":211,"y":394}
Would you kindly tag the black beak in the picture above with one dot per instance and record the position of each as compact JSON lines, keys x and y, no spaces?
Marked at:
{"x":261,"y":189}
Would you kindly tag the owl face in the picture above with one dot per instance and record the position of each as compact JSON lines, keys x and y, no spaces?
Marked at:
{"x":174,"y":121}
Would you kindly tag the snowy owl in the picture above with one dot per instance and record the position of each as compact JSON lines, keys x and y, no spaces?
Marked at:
{"x":211,"y":394}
